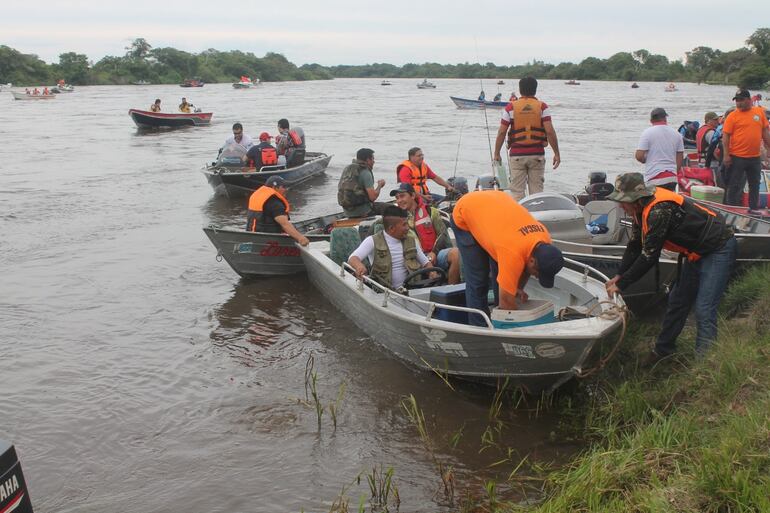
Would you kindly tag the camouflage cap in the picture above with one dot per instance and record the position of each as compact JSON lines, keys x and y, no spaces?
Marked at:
{"x":630,"y":187}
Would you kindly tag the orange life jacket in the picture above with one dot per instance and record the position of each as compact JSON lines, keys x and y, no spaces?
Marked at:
{"x":701,"y":145}
{"x":423,"y":225}
{"x":419,"y":176}
{"x":256,"y":221}
{"x":527,"y":127}
{"x":269,"y":157}
{"x":295,"y":138}
{"x":699,"y":230}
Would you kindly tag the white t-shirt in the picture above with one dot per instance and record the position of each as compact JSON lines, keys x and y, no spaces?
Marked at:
{"x":398,"y":272}
{"x":246,"y":141}
{"x":662,"y":143}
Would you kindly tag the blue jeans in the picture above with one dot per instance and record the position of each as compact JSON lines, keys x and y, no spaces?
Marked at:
{"x":479,"y":270}
{"x":702,"y":284}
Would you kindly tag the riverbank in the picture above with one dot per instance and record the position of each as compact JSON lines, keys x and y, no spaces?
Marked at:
{"x":686,"y":435}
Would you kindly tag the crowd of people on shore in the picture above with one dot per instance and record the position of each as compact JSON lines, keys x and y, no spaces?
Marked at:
{"x":499,"y":244}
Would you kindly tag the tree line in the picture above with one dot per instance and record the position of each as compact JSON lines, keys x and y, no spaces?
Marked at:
{"x":748,"y":66}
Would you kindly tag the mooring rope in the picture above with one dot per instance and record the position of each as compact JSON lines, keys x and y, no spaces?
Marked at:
{"x":613,"y":312}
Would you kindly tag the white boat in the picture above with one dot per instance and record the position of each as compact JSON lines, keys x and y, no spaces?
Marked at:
{"x":63,"y":88}
{"x":7,"y":86}
{"x":427,"y":332}
{"x":426,"y":85}
{"x":670,"y":88}
{"x":24,"y":96}
{"x":246,"y":83}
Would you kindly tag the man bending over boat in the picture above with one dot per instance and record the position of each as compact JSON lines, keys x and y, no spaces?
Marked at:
{"x":429,"y":228}
{"x":499,"y":238}
{"x":269,"y":211}
{"x":393,"y":253}
{"x":706,"y":246}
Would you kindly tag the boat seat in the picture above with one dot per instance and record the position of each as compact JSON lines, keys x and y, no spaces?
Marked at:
{"x":606,"y":213}
{"x":342,"y":242}
{"x":295,"y":157}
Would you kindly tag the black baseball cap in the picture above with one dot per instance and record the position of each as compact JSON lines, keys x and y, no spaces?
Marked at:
{"x":549,"y":263}
{"x":402,"y":187}
{"x":742,"y":94}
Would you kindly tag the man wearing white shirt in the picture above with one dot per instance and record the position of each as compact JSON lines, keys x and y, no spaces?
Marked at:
{"x":661,"y":150}
{"x":393,"y":253}
{"x":239,"y":137}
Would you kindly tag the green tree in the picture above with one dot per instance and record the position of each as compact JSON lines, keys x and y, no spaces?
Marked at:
{"x":139,"y":48}
{"x":759,"y":41}
{"x":73,"y":68}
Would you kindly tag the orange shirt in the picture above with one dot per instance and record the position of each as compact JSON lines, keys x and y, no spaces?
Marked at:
{"x":505,"y":229}
{"x":745,"y":129}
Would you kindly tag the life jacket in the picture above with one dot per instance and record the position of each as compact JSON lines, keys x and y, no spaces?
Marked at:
{"x":256,"y":221}
{"x":350,"y":193}
{"x":419,"y":176}
{"x":295,"y":138}
{"x":527,"y":127}
{"x":268,"y":156}
{"x":423,"y":226}
{"x":700,"y":143}
{"x":700,"y":232}
{"x":184,"y":107}
{"x":382,"y":265}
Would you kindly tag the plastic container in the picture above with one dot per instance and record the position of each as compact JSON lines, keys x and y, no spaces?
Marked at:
{"x":531,"y":313}
{"x":708,"y":193}
{"x":450,"y":295}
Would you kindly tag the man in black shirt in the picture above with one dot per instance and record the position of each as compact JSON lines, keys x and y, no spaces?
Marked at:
{"x":262,"y":154}
{"x":269,"y":211}
{"x":706,"y":247}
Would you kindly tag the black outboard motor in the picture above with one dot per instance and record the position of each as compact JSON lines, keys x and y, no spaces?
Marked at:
{"x":14,"y":495}
{"x":597,"y":188}
{"x":460,"y":184}
{"x":487,"y":183}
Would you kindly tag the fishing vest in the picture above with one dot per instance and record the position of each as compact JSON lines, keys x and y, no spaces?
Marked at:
{"x":382,"y":265}
{"x":700,"y":232}
{"x":256,"y":221}
{"x":419,"y":176}
{"x":350,"y":193}
{"x":527,"y":127}
{"x":423,"y":226}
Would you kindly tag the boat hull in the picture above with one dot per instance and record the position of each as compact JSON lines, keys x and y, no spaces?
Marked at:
{"x":466,"y":103}
{"x":534,"y":358}
{"x":25,"y":96}
{"x":238,"y":182}
{"x":258,"y":254}
{"x":147,"y":119}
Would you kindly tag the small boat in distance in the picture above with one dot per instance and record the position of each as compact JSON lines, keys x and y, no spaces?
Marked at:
{"x":571,"y":82}
{"x":27,"y":96}
{"x":634,"y":86}
{"x":192,"y":82}
{"x":146,"y":119}
{"x":501,"y":82}
{"x":5,"y":86}
{"x":670,"y":88}
{"x":141,"y":82}
{"x":467,"y":103}
{"x":426,"y":85}
{"x":385,"y":82}
{"x":245,"y":83}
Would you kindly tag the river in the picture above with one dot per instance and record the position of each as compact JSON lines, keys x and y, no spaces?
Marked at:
{"x":138,"y":373}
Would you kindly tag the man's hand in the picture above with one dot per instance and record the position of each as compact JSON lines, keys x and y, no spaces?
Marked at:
{"x":612,"y":287}
{"x":556,"y":161}
{"x":360,"y":270}
{"x":498,"y":158}
{"x":522,"y":296}
{"x":303,"y":241}
{"x":727,"y":160}
{"x":380,"y":183}
{"x":432,"y":257}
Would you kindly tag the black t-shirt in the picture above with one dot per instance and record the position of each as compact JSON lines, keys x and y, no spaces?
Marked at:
{"x":255,"y":153}
{"x":273,"y":208}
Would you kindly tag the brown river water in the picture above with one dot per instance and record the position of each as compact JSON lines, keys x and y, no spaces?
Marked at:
{"x":138,"y":373}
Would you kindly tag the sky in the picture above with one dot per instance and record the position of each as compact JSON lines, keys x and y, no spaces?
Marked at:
{"x":332,"y":32}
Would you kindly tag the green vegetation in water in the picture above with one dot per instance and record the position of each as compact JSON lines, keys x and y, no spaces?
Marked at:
{"x":748,"y":66}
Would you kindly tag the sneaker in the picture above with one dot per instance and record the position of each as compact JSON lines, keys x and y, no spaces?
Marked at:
{"x":651,"y":359}
{"x":754,"y":212}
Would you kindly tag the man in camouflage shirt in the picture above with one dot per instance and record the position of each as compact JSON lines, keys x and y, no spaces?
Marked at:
{"x":706,"y":246}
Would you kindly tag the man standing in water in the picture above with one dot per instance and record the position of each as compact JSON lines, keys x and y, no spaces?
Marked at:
{"x":527,"y":123}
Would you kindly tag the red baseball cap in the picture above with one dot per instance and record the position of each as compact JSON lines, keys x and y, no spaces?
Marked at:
{"x":264,"y":136}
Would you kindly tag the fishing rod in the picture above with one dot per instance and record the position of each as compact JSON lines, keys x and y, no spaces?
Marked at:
{"x":483,"y":104}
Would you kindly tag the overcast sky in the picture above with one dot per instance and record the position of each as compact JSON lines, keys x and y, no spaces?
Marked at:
{"x":394,"y":31}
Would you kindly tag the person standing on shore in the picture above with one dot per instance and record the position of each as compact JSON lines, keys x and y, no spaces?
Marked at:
{"x":661,"y":150}
{"x":744,"y":131}
{"x":527,"y":123}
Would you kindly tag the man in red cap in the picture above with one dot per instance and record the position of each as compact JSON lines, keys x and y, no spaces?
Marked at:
{"x":262,"y":154}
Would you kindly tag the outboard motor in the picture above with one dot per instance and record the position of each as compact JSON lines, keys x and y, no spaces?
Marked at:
{"x":460,"y":184}
{"x":597,"y":188}
{"x":487,"y":182}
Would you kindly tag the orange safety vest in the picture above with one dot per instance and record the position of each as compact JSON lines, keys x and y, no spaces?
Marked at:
{"x":527,"y":127}
{"x":694,"y":230}
{"x":700,"y":144}
{"x":269,"y":157}
{"x":419,"y":176}
{"x":257,"y":202}
{"x":295,"y":138}
{"x":423,"y":225}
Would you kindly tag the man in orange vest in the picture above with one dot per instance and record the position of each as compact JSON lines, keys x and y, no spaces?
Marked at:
{"x":527,"y":124}
{"x":499,"y":238}
{"x":666,"y":220}
{"x":262,"y":154}
{"x":744,"y":131}
{"x":415,"y":171}
{"x":269,"y":211}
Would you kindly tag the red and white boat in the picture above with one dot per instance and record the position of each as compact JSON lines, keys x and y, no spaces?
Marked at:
{"x":149,"y":119}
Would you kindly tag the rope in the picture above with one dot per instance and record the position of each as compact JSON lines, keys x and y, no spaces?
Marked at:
{"x":613,"y":312}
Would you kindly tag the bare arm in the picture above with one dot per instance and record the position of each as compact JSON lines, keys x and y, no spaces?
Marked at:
{"x":499,"y":141}
{"x":292,"y":232}
{"x":550,"y":134}
{"x":507,"y":300}
{"x":726,"y":159}
{"x":374,"y":193}
{"x":679,"y":160}
{"x":641,"y":156}
{"x":358,"y":265}
{"x":443,"y":183}
{"x":766,"y":137}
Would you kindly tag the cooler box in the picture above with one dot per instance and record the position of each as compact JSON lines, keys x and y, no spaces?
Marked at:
{"x":531,"y":313}
{"x":449,"y":295}
{"x":708,"y":193}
